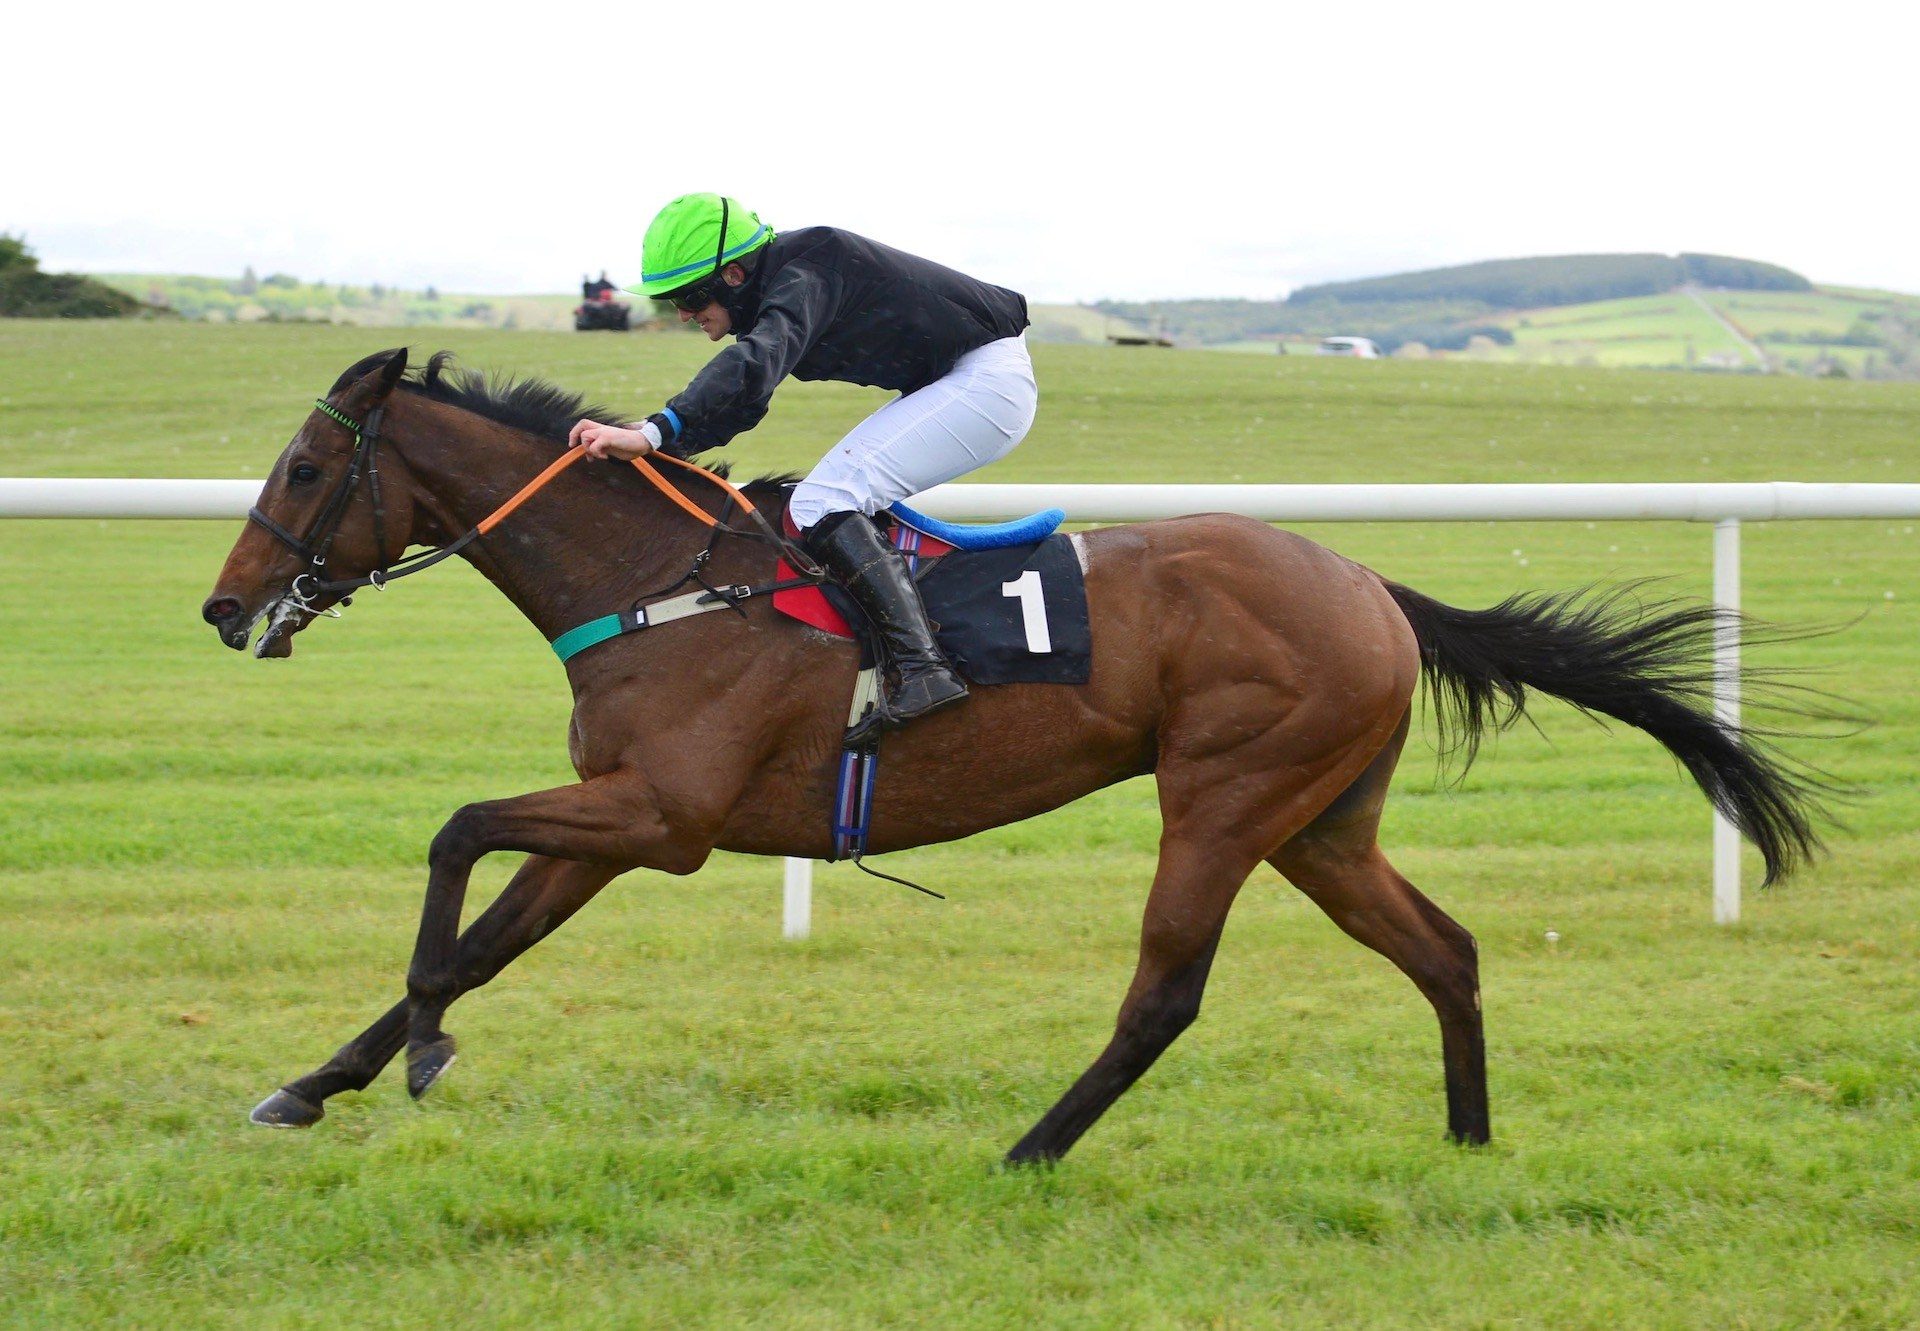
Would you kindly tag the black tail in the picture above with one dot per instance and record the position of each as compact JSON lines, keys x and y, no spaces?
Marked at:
{"x":1651,"y":667}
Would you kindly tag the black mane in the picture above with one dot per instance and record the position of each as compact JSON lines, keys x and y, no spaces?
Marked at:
{"x":520,"y":402}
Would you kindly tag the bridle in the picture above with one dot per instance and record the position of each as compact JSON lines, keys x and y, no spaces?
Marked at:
{"x":312,"y":583}
{"x":318,"y":541}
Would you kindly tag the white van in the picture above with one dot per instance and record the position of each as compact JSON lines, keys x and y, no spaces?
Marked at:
{"x":1363,"y":347}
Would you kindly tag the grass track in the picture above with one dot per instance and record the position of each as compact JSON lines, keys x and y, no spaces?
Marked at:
{"x":210,"y":869}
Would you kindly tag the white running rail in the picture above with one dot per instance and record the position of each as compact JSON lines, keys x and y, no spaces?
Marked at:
{"x":1724,"y":504}
{"x":1630,"y":501}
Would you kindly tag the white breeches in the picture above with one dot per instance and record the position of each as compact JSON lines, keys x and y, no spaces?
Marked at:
{"x":972,"y":415}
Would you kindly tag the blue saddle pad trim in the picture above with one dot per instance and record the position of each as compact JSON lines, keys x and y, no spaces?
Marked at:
{"x":983,"y":536}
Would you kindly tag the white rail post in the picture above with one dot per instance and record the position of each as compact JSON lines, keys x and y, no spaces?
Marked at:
{"x":1726,"y":707}
{"x":796,"y":917}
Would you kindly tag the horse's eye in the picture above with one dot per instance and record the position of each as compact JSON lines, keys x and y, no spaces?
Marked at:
{"x":303,"y":473}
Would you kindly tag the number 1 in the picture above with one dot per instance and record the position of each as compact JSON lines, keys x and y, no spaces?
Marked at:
{"x":1033,"y":609}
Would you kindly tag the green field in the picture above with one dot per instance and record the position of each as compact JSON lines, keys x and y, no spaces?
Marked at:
{"x":1669,"y":329}
{"x":210,"y":872}
{"x":1800,"y":332}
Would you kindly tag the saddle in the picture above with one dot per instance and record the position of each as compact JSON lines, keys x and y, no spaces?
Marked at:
{"x":1008,"y":605}
{"x":1007,"y":599}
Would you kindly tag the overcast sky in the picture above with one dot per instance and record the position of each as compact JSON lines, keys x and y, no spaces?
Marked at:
{"x":1074,"y":152}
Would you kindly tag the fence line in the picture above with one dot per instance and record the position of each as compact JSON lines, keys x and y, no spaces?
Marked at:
{"x":1725,"y":504}
{"x":1628,"y":501}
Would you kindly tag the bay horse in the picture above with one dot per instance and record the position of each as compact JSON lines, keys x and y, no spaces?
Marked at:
{"x":1264,"y":681}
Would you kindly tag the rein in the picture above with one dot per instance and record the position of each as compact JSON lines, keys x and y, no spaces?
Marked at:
{"x":795,"y":554}
{"x":319,"y":539}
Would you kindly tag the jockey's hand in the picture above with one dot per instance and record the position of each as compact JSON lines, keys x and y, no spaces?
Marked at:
{"x":614,"y":441}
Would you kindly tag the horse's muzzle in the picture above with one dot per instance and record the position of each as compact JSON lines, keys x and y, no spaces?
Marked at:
{"x":229,"y":619}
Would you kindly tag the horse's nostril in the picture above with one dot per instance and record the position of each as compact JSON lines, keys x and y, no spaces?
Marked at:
{"x":224,"y":607}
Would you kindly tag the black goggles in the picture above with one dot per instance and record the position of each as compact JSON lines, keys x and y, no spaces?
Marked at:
{"x":698,"y":296}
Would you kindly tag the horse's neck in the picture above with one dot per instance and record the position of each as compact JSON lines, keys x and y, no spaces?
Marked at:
{"x":575,"y":551}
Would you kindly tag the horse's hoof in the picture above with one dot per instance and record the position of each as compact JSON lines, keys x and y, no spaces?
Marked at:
{"x":1023,"y":1156}
{"x":284,"y":1109}
{"x":428,"y":1064}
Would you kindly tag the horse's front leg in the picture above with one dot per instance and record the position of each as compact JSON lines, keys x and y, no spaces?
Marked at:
{"x":543,"y":895}
{"x":614,"y":822}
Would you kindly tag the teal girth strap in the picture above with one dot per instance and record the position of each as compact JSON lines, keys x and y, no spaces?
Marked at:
{"x":596,"y":631}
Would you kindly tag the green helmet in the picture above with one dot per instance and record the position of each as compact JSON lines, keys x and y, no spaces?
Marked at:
{"x":683,"y":243}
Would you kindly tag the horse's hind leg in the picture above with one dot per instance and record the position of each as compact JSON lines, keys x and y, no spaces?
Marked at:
{"x":1223,"y":811}
{"x":1342,"y":869}
{"x":1193,"y":888}
{"x":543,"y":895}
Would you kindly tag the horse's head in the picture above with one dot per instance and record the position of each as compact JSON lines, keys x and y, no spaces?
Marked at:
{"x":337,"y":507}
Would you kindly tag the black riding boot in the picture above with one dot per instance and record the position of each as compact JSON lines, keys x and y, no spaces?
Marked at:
{"x":875,"y":574}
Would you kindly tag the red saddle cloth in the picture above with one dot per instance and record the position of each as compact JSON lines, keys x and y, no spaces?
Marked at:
{"x":810,"y":606}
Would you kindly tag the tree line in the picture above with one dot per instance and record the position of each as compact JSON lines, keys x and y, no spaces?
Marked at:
{"x":28,"y":293}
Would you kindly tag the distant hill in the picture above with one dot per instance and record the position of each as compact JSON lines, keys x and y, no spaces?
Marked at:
{"x":1566,"y":279}
{"x":1686,"y":311}
{"x":1080,"y":324}
{"x":1443,"y":308}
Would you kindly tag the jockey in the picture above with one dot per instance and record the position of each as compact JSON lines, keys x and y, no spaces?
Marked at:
{"x":821,"y":303}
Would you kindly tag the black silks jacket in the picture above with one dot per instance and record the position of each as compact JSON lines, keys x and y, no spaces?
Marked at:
{"x":827,"y":304}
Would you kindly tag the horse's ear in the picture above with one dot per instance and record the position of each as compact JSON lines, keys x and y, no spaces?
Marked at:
{"x":390,"y":372}
{"x":373,"y":386}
